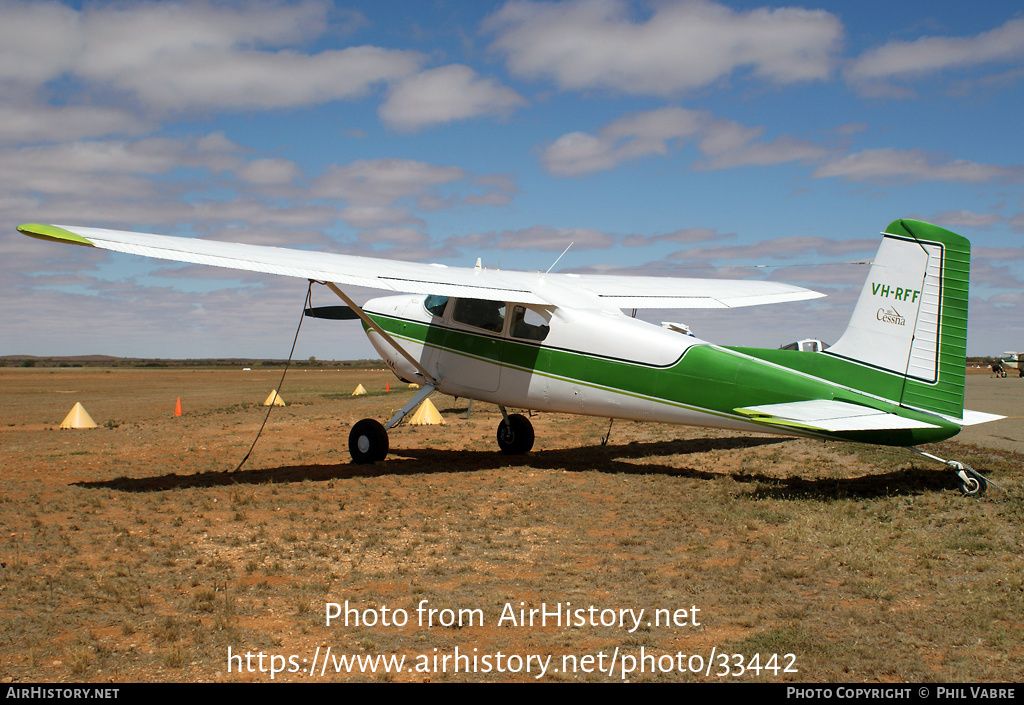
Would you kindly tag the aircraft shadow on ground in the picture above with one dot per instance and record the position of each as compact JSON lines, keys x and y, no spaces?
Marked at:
{"x":612,"y":459}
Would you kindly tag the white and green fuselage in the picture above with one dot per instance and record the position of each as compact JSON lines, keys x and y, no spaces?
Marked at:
{"x":895,"y":378}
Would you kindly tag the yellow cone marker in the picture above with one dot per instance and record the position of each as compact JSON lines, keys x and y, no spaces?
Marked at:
{"x":427,"y":415}
{"x":274,"y":399}
{"x":78,"y":417}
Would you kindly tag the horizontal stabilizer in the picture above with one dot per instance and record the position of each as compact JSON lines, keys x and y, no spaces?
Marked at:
{"x":830,"y":415}
{"x":975,"y":417}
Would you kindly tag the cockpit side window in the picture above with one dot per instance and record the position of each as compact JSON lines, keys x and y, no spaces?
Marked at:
{"x":435,"y":305}
{"x":480,"y":313}
{"x":528,"y":323}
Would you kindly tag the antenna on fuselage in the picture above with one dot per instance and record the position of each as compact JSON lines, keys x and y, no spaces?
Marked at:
{"x":559,"y":257}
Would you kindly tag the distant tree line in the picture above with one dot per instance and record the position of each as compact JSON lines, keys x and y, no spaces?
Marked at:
{"x":107,"y":361}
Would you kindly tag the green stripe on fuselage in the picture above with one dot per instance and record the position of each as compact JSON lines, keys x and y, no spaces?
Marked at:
{"x":846,"y":373}
{"x":706,"y":378}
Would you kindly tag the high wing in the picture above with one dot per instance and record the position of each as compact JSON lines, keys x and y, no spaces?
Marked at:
{"x":596,"y":290}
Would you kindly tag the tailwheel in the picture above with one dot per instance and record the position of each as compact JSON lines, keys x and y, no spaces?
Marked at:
{"x":515,"y":435}
{"x":368,"y":442}
{"x":972,"y":484}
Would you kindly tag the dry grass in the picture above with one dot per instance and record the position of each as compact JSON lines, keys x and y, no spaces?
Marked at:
{"x":128,"y":554}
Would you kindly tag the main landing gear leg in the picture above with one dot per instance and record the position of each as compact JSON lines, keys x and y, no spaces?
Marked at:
{"x":972,"y":483}
{"x":515,"y":433}
{"x":368,"y":440}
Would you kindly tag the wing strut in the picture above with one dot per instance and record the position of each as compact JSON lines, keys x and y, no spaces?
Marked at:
{"x":382,"y":333}
{"x":413,"y":403}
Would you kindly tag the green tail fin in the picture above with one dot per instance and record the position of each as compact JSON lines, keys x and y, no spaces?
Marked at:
{"x":911,"y":318}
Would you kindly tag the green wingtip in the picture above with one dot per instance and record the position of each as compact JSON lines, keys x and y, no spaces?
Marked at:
{"x":52,"y":232}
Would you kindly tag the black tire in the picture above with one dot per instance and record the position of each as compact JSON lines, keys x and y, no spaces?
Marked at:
{"x":974,"y":487}
{"x":515,"y":437}
{"x":368,"y":442}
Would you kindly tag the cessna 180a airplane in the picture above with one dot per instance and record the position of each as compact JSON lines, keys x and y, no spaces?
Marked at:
{"x":561,"y":342}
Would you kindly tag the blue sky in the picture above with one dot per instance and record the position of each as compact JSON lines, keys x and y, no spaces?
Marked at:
{"x":733,"y":139}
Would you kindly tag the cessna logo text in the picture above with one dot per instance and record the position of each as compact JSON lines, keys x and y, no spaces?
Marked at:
{"x":891,"y":316}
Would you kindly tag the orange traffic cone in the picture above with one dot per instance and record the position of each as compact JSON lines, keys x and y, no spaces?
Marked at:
{"x":177,"y":408}
{"x":387,"y":386}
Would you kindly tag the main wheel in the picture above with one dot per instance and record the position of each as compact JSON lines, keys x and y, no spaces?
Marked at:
{"x":516,"y":436}
{"x":368,"y":441}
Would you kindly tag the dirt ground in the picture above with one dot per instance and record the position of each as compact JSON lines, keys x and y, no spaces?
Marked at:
{"x":130,"y":553}
{"x":996,"y":395}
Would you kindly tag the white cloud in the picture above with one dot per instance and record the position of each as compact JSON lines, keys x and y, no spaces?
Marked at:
{"x":269,"y":172}
{"x":394,"y":236}
{"x":728,"y":144}
{"x":682,"y":46}
{"x":904,"y":60}
{"x":965,"y":219}
{"x":911,"y":165}
{"x":382,"y":182}
{"x":578,"y":153}
{"x":687,"y":235}
{"x":153,"y":155}
{"x":996,"y":254}
{"x":444,"y":94}
{"x":26,"y":60}
{"x":778,"y":248}
{"x":246,"y":210}
{"x":648,"y":132}
{"x":537,"y":237}
{"x":725,"y":143}
{"x":178,"y":56}
{"x":376,"y":216}
{"x":235,"y":79}
{"x":631,"y":137}
{"x":109,"y":168}
{"x":29,"y":122}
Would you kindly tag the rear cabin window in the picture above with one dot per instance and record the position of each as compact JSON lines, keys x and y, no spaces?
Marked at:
{"x":480,"y":313}
{"x":528,"y":324}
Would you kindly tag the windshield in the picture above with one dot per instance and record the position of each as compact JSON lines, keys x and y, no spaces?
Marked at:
{"x":435,"y":305}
